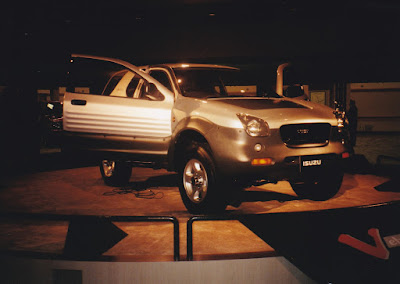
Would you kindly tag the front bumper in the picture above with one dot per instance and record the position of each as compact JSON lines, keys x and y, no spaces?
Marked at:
{"x":234,"y":150}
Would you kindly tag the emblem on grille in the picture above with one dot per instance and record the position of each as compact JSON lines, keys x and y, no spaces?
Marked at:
{"x":312,"y":163}
{"x":303,"y":131}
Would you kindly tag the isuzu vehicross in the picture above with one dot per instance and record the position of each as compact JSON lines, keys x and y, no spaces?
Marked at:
{"x":200,"y":121}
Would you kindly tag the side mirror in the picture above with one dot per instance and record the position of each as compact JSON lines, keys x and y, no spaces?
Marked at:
{"x":294,"y":92}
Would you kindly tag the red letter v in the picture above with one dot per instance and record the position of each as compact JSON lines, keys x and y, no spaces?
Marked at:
{"x":379,"y":250}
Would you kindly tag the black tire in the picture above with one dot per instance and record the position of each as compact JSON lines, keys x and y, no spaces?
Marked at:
{"x":324,"y":187}
{"x":200,"y":190}
{"x":115,"y":173}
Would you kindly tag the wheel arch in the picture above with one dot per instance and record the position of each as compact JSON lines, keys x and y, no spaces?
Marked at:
{"x":186,"y":139}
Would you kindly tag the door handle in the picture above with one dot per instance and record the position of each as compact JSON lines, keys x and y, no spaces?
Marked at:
{"x":78,"y":102}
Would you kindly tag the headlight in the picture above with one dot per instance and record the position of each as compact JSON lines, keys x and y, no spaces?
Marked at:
{"x":254,"y":126}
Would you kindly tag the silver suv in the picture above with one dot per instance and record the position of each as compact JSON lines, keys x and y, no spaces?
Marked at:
{"x":203,"y":122}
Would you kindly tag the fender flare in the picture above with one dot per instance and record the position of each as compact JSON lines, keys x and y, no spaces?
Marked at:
{"x":198,"y":126}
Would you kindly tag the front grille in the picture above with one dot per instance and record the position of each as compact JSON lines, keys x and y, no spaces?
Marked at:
{"x":298,"y":135}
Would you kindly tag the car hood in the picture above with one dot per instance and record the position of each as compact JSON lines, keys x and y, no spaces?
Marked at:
{"x":259,"y":103}
{"x":276,"y":111}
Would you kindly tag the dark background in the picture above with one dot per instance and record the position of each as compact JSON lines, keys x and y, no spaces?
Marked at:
{"x":328,"y":40}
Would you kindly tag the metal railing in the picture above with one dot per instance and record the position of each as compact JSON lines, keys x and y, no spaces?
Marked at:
{"x":189,"y":229}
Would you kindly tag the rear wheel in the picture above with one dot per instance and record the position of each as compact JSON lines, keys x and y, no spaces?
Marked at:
{"x":200,"y":190}
{"x":115,"y":173}
{"x":323,"y":187}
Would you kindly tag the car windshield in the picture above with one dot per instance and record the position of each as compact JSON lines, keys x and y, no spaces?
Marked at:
{"x":215,"y":83}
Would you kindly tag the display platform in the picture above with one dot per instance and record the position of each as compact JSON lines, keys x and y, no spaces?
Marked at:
{"x":68,"y":214}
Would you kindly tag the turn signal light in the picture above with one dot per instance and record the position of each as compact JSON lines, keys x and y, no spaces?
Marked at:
{"x":345,"y":155}
{"x":262,"y":162}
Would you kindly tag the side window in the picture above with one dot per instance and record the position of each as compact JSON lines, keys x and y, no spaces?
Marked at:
{"x":162,"y":77}
{"x":132,"y":86}
{"x":122,"y":84}
{"x":150,"y":92}
{"x":112,"y":83}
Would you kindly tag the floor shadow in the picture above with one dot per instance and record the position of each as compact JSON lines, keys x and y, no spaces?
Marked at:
{"x":252,"y":196}
{"x":143,"y":189}
{"x":388,"y":166}
{"x":349,"y":184}
{"x":168,"y":180}
{"x":393,"y":185}
{"x":255,"y":195}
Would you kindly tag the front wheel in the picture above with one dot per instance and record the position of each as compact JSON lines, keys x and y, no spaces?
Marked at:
{"x":115,"y":173}
{"x":199,"y":189}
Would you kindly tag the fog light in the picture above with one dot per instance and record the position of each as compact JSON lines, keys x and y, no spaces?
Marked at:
{"x":257,"y":147}
{"x":262,"y":162}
